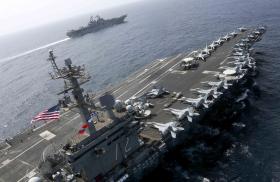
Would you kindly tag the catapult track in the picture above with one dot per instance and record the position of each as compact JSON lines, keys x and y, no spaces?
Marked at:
{"x":20,"y":156}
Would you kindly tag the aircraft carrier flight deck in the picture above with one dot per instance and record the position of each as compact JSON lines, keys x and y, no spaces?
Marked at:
{"x":20,"y":155}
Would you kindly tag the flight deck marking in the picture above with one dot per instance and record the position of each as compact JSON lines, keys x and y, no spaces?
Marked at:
{"x":7,"y":147}
{"x":77,"y":115}
{"x":145,"y":78}
{"x":164,"y":65}
{"x":154,"y":81}
{"x":210,"y":72}
{"x":28,"y":175}
{"x":122,"y":94}
{"x":47,"y":135}
{"x":158,"y":78}
{"x":117,"y":89}
{"x":145,"y":70}
{"x":5,"y":162}
{"x":26,"y":163}
{"x":179,"y":72}
{"x":9,"y":161}
{"x":224,"y":61}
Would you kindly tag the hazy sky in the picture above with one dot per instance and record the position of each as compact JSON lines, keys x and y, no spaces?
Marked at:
{"x":16,"y":15}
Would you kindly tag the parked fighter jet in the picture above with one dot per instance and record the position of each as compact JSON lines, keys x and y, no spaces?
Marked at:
{"x":247,"y":62}
{"x":171,"y":127}
{"x":219,"y":41}
{"x":182,"y":113}
{"x":251,"y":36}
{"x":201,"y":56}
{"x":237,"y":54}
{"x":237,"y":49}
{"x":233,"y":34}
{"x":219,"y":84}
{"x":242,"y":29}
{"x":200,"y":101}
{"x":257,"y":32}
{"x":213,"y":92}
{"x":226,"y":37}
{"x":206,"y":50}
{"x":233,"y":73}
{"x":213,"y":46}
{"x":157,"y":92}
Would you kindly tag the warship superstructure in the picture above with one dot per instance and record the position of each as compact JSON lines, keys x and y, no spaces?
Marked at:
{"x":96,"y":24}
{"x":128,"y":128}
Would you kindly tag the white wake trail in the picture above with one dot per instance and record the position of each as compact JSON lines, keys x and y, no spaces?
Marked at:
{"x":33,"y":50}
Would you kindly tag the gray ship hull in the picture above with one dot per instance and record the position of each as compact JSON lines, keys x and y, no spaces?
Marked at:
{"x":133,"y":147}
{"x":95,"y":28}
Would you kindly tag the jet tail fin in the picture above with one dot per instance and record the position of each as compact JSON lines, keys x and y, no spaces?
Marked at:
{"x":206,"y":105}
{"x":189,"y":118}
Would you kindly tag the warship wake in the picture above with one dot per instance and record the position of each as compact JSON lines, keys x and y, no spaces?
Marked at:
{"x":123,"y":132}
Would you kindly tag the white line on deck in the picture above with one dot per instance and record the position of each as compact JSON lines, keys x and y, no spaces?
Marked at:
{"x":9,"y":161}
{"x":142,"y":89}
{"x":122,"y":94}
{"x":142,"y":73}
{"x":145,"y":79}
{"x":76,"y":116}
{"x":224,"y":61}
{"x":32,"y":146}
{"x":117,"y":89}
{"x":160,"y":76}
{"x":26,"y":163}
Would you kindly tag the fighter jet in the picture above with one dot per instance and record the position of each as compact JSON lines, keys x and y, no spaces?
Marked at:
{"x":262,"y":28}
{"x":251,"y":36}
{"x":219,"y":41}
{"x":182,"y":113}
{"x":237,"y":54}
{"x":213,"y":92}
{"x":242,"y":29}
{"x":213,"y":46}
{"x":241,"y":44}
{"x":219,"y":84}
{"x":248,"y":62}
{"x":233,"y":73}
{"x":200,"y":101}
{"x":237,"y":49}
{"x":257,"y":32}
{"x":201,"y":56}
{"x":172,"y":127}
{"x":206,"y":50}
{"x":233,"y":34}
{"x":226,"y":37}
{"x":157,"y":92}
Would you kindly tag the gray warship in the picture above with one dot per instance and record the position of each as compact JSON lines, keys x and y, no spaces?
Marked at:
{"x":134,"y":123}
{"x":96,"y":24}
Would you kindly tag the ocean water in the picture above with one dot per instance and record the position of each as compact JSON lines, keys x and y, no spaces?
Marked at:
{"x":155,"y":29}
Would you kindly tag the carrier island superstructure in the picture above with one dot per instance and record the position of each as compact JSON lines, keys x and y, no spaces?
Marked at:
{"x":128,"y":128}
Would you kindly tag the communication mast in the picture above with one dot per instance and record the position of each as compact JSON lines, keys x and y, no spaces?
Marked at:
{"x":73,"y":76}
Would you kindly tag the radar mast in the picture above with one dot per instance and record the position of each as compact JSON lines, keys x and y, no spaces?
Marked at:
{"x":74,"y":76}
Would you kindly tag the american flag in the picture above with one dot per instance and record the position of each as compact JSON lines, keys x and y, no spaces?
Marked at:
{"x":49,"y":114}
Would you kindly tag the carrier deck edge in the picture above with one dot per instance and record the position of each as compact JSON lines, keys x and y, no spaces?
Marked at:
{"x":20,"y":155}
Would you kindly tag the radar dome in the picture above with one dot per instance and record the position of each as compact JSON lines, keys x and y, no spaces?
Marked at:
{"x":35,"y":179}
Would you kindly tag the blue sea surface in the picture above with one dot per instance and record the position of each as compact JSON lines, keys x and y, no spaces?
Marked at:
{"x":155,"y":29}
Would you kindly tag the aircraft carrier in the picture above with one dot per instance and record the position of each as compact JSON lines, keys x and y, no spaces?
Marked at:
{"x":134,"y":123}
